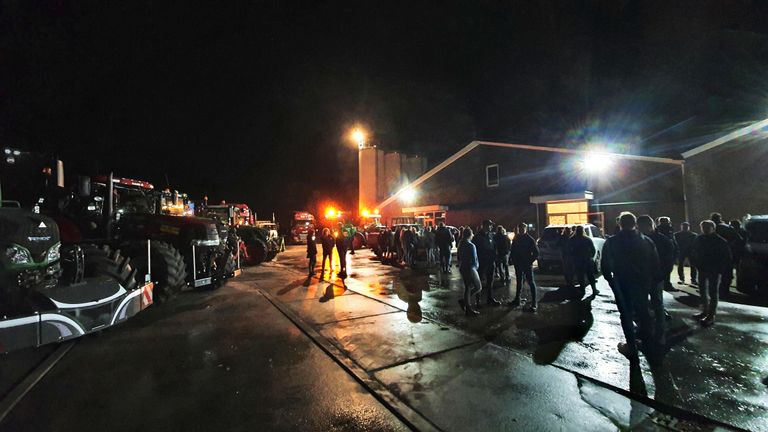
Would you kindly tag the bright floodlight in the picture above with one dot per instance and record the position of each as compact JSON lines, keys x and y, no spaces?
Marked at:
{"x":358,"y":136}
{"x":596,"y":162}
{"x":408,"y":195}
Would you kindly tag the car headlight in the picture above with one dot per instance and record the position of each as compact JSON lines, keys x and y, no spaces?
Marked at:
{"x":54,"y":253}
{"x":18,"y":255}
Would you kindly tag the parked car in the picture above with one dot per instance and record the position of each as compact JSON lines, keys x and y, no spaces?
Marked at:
{"x":551,"y":246}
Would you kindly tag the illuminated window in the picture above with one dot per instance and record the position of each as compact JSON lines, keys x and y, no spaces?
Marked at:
{"x":492,"y":175}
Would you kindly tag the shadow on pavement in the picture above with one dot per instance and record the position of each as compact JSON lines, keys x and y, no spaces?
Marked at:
{"x":573,"y":316}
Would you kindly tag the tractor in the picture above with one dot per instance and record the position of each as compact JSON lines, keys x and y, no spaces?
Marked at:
{"x":257,"y":245}
{"x":52,"y":289}
{"x":184,"y":251}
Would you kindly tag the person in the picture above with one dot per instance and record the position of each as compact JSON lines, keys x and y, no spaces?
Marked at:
{"x":685,"y":238}
{"x":342,"y":246}
{"x":502,"y":243}
{"x":582,"y":251}
{"x":311,"y":252}
{"x":664,"y":228}
{"x":383,"y":244}
{"x":740,"y":245}
{"x":566,"y":256}
{"x":397,"y":238}
{"x":629,"y":262}
{"x":523,"y":253}
{"x":429,"y":237}
{"x":711,"y":255}
{"x":729,"y":234}
{"x":468,"y":265}
{"x":412,"y":241}
{"x":665,"y":250}
{"x":327,"y":241}
{"x":444,"y":241}
{"x":486,"y":253}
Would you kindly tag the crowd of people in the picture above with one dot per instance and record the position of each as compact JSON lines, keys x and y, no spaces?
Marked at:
{"x":637,"y":262}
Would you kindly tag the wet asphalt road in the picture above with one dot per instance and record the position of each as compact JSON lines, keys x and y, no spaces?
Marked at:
{"x":211,"y":361}
{"x":232,"y":360}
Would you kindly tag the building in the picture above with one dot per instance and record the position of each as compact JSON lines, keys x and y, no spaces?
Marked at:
{"x":382,"y":173}
{"x":511,"y":183}
{"x":727,"y":175}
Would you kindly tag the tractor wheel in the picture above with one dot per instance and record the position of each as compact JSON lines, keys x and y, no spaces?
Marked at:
{"x":272,"y":249}
{"x":257,"y":251}
{"x":169,"y":272}
{"x":225,"y":269}
{"x":104,"y":261}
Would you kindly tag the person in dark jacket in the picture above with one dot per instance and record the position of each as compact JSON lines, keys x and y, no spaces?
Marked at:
{"x":740,"y":244}
{"x":712,"y":256}
{"x":327,"y":241}
{"x":342,"y":245}
{"x":684,"y":239}
{"x":503,"y":244}
{"x":582,"y":251}
{"x":523,"y":253}
{"x":486,"y":254}
{"x":664,"y":227}
{"x":666,"y":253}
{"x":468,"y":265}
{"x":444,"y":241}
{"x":729,"y":234}
{"x":311,"y":251}
{"x":565,"y":255}
{"x":629,"y":264}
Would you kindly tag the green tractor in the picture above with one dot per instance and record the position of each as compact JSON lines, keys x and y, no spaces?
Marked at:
{"x":258,"y":244}
{"x":52,"y":291}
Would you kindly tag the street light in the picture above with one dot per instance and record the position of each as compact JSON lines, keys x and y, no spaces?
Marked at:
{"x":596,"y":162}
{"x":358,"y":136}
{"x":408,"y":195}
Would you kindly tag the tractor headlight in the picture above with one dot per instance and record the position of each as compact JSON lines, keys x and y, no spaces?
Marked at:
{"x":54,"y":253}
{"x":18,"y":255}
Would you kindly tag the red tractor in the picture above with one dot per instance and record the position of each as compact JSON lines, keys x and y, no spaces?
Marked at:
{"x":257,"y":244}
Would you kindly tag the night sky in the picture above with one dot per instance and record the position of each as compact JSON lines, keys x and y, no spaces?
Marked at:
{"x":251,"y":101}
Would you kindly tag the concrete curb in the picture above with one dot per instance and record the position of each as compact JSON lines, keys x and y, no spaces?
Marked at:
{"x":660,"y":406}
{"x":28,"y":383}
{"x":412,"y":418}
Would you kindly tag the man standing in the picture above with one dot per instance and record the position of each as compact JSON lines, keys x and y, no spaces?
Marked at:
{"x":740,"y":245}
{"x":486,"y":253}
{"x":524,"y":252}
{"x":503,"y":243}
{"x":629,"y":263}
{"x":582,"y":252}
{"x":311,"y":252}
{"x":327,"y":242}
{"x":685,"y":238}
{"x":342,"y":244}
{"x":712,"y":256}
{"x":565,"y":255}
{"x":665,"y":228}
{"x":665,"y":250}
{"x":732,"y":238}
{"x":444,"y":240}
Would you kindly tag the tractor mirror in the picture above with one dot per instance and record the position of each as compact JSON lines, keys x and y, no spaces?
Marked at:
{"x":84,"y":186}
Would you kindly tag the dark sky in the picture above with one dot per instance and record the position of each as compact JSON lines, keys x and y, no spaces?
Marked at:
{"x":250,"y":101}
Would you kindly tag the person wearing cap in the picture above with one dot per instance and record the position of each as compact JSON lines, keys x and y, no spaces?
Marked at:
{"x":486,"y":253}
{"x":524,"y":252}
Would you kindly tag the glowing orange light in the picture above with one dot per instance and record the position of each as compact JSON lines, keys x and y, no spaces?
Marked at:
{"x":330,"y":212}
{"x":376,"y":211}
{"x":366,"y":213}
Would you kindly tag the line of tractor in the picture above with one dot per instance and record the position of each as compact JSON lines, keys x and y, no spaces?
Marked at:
{"x":81,"y":257}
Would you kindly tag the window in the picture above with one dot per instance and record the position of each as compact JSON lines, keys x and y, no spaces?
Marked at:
{"x":492,"y":175}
